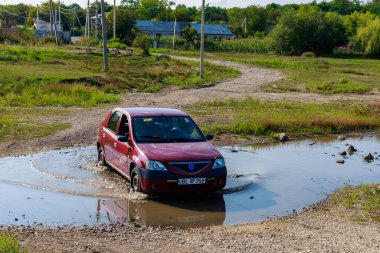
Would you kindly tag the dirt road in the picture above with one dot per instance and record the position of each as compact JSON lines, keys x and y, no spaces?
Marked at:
{"x":86,"y":121}
{"x":247,"y":85}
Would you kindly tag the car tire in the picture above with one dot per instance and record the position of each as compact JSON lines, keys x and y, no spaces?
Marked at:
{"x":135,"y":180}
{"x":102,"y":159}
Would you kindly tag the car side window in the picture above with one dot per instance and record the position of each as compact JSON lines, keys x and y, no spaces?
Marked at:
{"x":112,"y":123}
{"x":124,"y":126}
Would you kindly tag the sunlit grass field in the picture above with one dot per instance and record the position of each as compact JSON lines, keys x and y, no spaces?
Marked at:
{"x":264,"y":118}
{"x":43,"y":76}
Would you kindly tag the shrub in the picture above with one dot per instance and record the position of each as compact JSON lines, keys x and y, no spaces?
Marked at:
{"x":143,"y":42}
{"x":8,"y":243}
{"x":18,"y":36}
{"x":308,"y":55}
{"x":116,"y":43}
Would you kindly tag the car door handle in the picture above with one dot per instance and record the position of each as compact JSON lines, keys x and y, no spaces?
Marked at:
{"x":114,"y":144}
{"x":104,"y":135}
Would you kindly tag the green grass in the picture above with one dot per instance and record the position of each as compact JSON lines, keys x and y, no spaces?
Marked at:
{"x":254,"y":117}
{"x":326,"y":75}
{"x":43,"y":76}
{"x":27,"y":123}
{"x":365,"y":197}
{"x":8,"y":243}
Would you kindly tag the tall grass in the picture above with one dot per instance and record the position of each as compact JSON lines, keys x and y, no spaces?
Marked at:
{"x":254,"y":117}
{"x":60,"y":94}
{"x":8,"y":243}
{"x":246,"y":45}
{"x":365,"y":197}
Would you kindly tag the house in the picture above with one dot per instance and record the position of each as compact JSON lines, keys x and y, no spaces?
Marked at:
{"x":214,"y":31}
{"x":42,"y":25}
{"x":166,"y":28}
{"x":158,"y":28}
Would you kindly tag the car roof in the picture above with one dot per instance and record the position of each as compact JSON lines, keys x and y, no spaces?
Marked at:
{"x":151,"y":111}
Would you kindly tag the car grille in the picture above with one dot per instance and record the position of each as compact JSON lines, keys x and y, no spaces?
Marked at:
{"x":190,"y":167}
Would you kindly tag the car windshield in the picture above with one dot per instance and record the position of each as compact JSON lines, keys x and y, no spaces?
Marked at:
{"x":166,"y":129}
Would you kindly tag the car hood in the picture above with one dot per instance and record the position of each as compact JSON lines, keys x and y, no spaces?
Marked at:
{"x":176,"y":152}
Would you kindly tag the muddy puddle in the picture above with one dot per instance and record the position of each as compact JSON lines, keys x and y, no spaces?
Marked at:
{"x":68,"y":187}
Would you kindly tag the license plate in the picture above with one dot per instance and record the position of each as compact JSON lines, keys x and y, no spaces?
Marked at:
{"x":189,"y":181}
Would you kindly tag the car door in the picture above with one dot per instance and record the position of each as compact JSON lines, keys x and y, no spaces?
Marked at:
{"x":123,"y":148}
{"x":110,"y":139}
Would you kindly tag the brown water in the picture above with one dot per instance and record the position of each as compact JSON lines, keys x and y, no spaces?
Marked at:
{"x":68,"y":187}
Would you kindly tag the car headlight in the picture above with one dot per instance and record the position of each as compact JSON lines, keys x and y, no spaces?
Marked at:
{"x":153,"y":165}
{"x":219,"y":163}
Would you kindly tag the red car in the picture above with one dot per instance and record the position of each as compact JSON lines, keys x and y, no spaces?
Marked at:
{"x":160,"y":150}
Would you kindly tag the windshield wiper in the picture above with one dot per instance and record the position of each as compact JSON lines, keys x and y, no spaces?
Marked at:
{"x":152,"y":137}
{"x":183,"y":139}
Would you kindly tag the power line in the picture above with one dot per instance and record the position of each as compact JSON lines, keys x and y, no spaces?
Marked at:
{"x":10,"y":13}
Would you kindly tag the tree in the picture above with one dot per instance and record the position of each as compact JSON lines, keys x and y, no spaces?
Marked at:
{"x":131,"y":4}
{"x":308,"y":29}
{"x":368,"y":38}
{"x":374,"y":7}
{"x":190,"y":35}
{"x":216,"y":14}
{"x":125,"y":25}
{"x":150,"y":9}
{"x":355,"y":20}
{"x":185,"y":14}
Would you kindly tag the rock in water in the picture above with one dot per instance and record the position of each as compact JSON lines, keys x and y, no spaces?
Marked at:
{"x":284,"y":137}
{"x":341,"y":137}
{"x":340,"y":161}
{"x":369,"y":157}
{"x":352,"y":149}
{"x":344,"y":153}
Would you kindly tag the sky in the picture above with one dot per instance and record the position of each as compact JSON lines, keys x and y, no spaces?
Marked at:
{"x":221,"y":3}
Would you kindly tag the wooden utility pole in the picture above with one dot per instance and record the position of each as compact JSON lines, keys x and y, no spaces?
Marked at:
{"x":202,"y":39}
{"x":175,"y":26}
{"x":59,"y":16}
{"x":245,"y":25}
{"x":104,"y":34}
{"x":96,"y":21}
{"x":88,"y":18}
{"x":52,"y":21}
{"x":51,"y":17}
{"x":114,"y":18}
{"x":38,"y":19}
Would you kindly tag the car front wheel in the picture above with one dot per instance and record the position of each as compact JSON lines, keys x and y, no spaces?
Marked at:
{"x":135,"y":181}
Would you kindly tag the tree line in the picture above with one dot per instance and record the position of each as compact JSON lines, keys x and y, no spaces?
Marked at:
{"x":319,"y":27}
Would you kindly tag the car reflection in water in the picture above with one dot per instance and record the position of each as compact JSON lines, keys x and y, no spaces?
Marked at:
{"x":184,"y":212}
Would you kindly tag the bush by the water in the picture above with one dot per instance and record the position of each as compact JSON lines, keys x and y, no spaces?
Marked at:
{"x":8,"y":243}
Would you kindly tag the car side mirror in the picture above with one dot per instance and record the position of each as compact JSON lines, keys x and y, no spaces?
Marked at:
{"x":209,"y":137}
{"x":122,"y":138}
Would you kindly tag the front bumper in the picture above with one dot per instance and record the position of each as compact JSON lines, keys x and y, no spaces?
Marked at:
{"x":166,"y":181}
